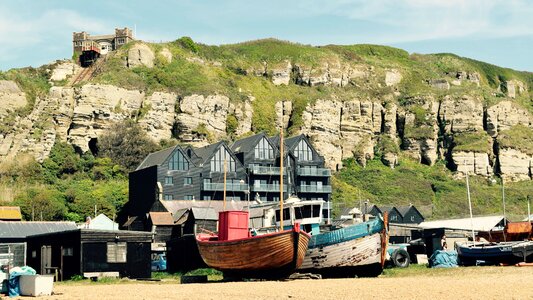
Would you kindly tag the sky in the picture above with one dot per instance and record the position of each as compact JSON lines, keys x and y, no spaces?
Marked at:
{"x":36,"y":32}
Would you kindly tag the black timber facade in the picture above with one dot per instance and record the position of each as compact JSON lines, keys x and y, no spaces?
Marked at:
{"x":86,"y":251}
{"x":399,"y":214}
{"x":252,"y":172}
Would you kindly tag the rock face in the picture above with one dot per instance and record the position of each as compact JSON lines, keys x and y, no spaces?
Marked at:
{"x":64,"y":70}
{"x":11,"y":97}
{"x":515,"y":165}
{"x":392,"y":77}
{"x":504,"y":115}
{"x":331,"y":73}
{"x":97,"y":108}
{"x":202,"y":116}
{"x":472,"y":162}
{"x":282,"y":75}
{"x":461,"y":114}
{"x":166,"y":54}
{"x":341,"y":130}
{"x":441,"y":84}
{"x":244,"y":113}
{"x":283,"y":113}
{"x":160,"y":118}
{"x":140,"y":55}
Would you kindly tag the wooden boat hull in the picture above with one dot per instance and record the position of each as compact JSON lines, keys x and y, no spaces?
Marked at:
{"x":355,"y":250}
{"x":274,"y":255}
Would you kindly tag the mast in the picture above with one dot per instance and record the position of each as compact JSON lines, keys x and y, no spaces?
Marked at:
{"x":504,"y":218}
{"x":281,"y":179}
{"x":470,"y":206}
{"x":224,"y":197}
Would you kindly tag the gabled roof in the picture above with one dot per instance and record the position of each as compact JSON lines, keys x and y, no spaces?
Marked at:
{"x":159,"y":157}
{"x":161,"y":218}
{"x":406,"y":208}
{"x":248,"y":143}
{"x":21,"y":229}
{"x":205,"y":153}
{"x":156,"y":158}
{"x":10,"y":213}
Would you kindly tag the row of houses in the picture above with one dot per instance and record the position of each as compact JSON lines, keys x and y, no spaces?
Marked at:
{"x":180,"y":176}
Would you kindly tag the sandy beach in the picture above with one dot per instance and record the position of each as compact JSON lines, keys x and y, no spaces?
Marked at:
{"x":459,"y":283}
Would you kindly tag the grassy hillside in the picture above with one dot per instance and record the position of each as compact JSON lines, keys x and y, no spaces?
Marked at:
{"x":245,"y":70}
{"x":432,"y":189}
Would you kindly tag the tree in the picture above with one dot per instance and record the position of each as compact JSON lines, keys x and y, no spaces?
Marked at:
{"x":126,"y":144}
{"x":41,"y":203}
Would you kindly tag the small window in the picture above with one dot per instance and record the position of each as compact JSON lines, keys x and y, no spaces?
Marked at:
{"x":187,"y":181}
{"x":188,"y":197}
{"x":116,"y":252}
{"x":207,"y":197}
{"x":169,"y":180}
{"x":168,"y":197}
{"x":34,"y":254}
{"x":69,"y":251}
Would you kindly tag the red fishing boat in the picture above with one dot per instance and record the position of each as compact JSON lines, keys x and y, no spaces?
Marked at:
{"x":237,"y":254}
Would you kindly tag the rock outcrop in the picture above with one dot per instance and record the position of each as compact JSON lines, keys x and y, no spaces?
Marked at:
{"x":505,"y":115}
{"x":392,"y":77}
{"x":97,"y":108}
{"x":140,"y":55}
{"x":160,"y":115}
{"x":166,"y":54}
{"x":11,"y":97}
{"x":472,"y":162}
{"x":282,"y":76}
{"x":63,"y":71}
{"x":202,"y":119}
{"x":515,"y":165}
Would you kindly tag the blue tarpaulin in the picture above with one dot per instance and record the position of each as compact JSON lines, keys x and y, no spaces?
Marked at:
{"x":443,"y":259}
{"x":14,"y":276}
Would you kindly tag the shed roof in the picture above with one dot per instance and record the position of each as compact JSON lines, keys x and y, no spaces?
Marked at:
{"x":21,"y":229}
{"x":161,"y":218}
{"x":10,"y":213}
{"x":479,"y":223}
{"x":204,"y":213}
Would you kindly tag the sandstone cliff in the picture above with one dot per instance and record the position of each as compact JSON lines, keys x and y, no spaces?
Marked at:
{"x":350,"y":104}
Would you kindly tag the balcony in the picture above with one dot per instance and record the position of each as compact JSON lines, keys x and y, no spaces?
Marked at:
{"x":314,"y":172}
{"x":219,"y":186}
{"x":267,"y":188}
{"x":264,"y":170}
{"x":314,"y":189}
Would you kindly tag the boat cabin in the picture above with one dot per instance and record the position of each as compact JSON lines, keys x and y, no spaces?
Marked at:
{"x":307,"y":213}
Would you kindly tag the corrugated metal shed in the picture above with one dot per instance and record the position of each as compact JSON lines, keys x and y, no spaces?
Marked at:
{"x":479,"y":223}
{"x":14,"y":229}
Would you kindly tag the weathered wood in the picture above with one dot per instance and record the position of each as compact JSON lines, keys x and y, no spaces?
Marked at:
{"x":270,"y":255}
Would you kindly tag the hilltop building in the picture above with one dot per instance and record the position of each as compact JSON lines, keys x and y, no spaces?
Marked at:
{"x":89,"y":47}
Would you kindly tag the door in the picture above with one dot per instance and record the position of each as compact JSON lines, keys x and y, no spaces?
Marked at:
{"x":46,"y":259}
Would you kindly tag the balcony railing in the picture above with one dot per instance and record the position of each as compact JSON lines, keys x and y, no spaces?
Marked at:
{"x":314,"y":172}
{"x":314,"y":189}
{"x":219,"y":186}
{"x":264,"y":170}
{"x":267,"y":188}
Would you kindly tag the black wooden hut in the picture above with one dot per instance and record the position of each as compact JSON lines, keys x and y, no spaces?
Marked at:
{"x":91,"y":253}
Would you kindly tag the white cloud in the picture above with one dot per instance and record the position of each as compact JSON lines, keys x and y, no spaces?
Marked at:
{"x":21,"y":32}
{"x":414,"y":20}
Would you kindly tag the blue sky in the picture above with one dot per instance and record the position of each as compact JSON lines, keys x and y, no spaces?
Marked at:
{"x":34,"y":32}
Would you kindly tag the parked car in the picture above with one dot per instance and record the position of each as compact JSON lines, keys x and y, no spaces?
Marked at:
{"x":159,"y":262}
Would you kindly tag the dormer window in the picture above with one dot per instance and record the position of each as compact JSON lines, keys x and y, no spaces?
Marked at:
{"x":303,"y":151}
{"x":217,"y":162}
{"x":178,"y":162}
{"x":263,"y":150}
